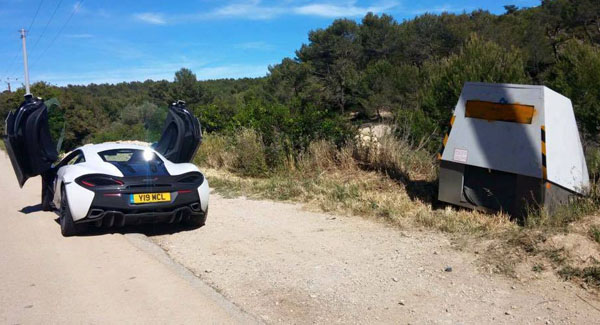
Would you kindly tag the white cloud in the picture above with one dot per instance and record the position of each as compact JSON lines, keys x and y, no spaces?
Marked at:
{"x":440,"y":9}
{"x":79,"y":36}
{"x":333,"y":11}
{"x":249,"y":10}
{"x":256,"y":10}
{"x":150,"y":18}
{"x":259,"y":45}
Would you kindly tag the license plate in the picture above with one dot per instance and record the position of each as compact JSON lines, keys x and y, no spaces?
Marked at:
{"x":141,"y":198}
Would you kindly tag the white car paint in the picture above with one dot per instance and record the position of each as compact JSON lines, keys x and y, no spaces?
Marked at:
{"x":80,"y":199}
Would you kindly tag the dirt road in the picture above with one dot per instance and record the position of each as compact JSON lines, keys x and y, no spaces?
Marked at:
{"x":45,"y":278}
{"x":287,"y":265}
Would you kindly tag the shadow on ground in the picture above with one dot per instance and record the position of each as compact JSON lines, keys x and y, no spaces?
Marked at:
{"x":31,"y":209}
{"x":425,"y":191}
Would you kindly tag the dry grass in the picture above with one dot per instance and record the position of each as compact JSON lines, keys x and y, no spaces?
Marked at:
{"x":387,"y":180}
{"x":390,"y":180}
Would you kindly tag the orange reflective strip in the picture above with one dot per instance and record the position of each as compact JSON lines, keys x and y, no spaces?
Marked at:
{"x":445,"y":139}
{"x":452,"y":120}
{"x":499,"y":112}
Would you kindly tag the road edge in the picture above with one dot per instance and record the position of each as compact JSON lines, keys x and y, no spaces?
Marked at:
{"x":145,"y":244}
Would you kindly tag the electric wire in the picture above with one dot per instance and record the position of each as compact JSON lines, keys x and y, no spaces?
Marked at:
{"x":46,"y":27}
{"x":12,"y":62}
{"x":35,"y":15}
{"x":73,"y":12}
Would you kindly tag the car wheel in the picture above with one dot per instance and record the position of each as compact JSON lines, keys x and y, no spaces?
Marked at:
{"x":196,"y":221}
{"x":67,"y":226}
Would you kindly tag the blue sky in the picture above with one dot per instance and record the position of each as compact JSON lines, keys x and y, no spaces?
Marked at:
{"x":113,"y":41}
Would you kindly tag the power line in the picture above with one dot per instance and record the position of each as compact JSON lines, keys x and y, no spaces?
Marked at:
{"x":34,"y":16}
{"x":12,"y":62}
{"x":75,"y":10}
{"x":11,"y":65}
{"x":46,"y":27}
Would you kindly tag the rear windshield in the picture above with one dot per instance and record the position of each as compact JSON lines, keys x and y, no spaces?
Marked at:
{"x":132,"y":156}
{"x":135,"y":162}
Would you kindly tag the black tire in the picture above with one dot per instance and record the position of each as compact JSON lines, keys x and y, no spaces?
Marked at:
{"x":196,"y":221}
{"x":67,"y":226}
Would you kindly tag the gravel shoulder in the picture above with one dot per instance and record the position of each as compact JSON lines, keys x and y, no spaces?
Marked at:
{"x":287,"y":265}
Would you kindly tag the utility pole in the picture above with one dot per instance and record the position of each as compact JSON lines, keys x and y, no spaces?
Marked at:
{"x":27,"y":91}
{"x":8,"y":82}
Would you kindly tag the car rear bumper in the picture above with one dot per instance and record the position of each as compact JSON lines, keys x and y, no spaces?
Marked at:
{"x":110,"y":209}
{"x":111,"y":217}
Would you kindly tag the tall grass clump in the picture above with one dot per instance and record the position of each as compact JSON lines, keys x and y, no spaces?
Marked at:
{"x":396,"y":157}
{"x":560,"y":217}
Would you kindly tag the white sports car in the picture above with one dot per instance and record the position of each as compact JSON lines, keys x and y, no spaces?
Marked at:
{"x":111,"y":184}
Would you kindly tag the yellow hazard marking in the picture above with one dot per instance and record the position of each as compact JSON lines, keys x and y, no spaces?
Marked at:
{"x":499,"y":112}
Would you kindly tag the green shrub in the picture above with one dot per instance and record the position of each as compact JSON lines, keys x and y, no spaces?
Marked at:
{"x":215,"y":151}
{"x":478,"y":60}
{"x":249,"y":154}
{"x":595,"y":233}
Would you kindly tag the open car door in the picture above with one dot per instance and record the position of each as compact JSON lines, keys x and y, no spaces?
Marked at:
{"x":181,"y":135}
{"x":28,"y":141}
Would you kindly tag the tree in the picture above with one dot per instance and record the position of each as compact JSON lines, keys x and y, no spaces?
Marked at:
{"x":577,"y":76}
{"x":510,"y":9}
{"x":477,"y":61}
{"x":186,"y":87}
{"x":334,"y":53}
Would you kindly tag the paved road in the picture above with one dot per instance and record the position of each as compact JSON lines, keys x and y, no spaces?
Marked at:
{"x":45,"y":278}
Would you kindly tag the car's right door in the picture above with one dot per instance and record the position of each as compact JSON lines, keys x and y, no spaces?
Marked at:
{"x":181,"y":135}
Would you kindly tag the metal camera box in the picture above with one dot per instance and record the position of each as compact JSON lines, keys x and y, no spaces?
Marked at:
{"x":510,"y":148}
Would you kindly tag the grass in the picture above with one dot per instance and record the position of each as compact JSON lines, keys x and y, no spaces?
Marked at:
{"x":594,"y":233}
{"x":390,"y":180}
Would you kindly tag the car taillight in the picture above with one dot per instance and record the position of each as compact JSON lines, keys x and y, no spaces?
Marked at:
{"x":192,"y":178}
{"x":96,"y":180}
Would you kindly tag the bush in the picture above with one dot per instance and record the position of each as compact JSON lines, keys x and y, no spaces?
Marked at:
{"x":396,"y":157}
{"x":577,"y":76}
{"x":215,"y":152}
{"x":477,"y":61}
{"x":249,"y":154}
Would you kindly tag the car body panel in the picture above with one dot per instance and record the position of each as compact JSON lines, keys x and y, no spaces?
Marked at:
{"x":203,"y":193}
{"x":80,"y":200}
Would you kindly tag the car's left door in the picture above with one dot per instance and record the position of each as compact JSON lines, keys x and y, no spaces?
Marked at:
{"x":28,"y":141}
